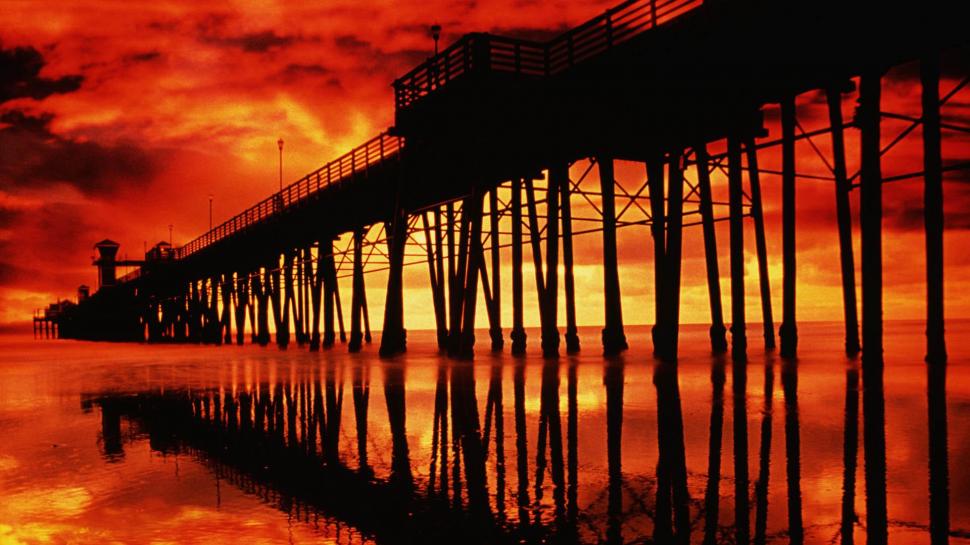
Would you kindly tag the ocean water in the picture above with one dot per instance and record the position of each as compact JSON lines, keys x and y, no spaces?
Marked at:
{"x":130,"y":443}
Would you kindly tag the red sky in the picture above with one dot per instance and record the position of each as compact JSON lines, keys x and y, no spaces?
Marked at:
{"x":124,"y":115}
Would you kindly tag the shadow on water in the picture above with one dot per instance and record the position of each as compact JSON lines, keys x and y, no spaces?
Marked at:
{"x":281,"y":441}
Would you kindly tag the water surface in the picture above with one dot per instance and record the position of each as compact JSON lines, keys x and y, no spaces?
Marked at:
{"x":198,"y":444}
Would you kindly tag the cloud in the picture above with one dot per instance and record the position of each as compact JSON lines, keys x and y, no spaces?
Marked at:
{"x":32,"y":155}
{"x":212,"y":31}
{"x":20,"y":69}
{"x":145,"y":56}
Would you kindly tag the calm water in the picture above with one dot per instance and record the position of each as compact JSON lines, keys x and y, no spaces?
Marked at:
{"x":103,"y":443}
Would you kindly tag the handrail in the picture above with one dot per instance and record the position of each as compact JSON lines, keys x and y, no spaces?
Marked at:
{"x":488,"y":52}
{"x":359,"y":159}
{"x":473,"y":52}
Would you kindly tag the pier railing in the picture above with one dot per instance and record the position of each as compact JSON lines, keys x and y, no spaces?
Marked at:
{"x":487,"y":52}
{"x":376,"y":150}
{"x":474,"y":52}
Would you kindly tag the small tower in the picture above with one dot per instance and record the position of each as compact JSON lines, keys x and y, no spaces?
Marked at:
{"x":106,"y":262}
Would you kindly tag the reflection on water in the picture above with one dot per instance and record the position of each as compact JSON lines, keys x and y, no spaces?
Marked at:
{"x":205,"y":445}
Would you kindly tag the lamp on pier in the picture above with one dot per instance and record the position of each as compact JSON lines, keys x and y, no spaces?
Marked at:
{"x":435,"y":35}
{"x":280,"y":144}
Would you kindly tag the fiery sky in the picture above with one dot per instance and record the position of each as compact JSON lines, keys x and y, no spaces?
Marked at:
{"x":118,"y":118}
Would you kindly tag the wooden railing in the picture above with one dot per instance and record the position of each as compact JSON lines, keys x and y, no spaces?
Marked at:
{"x":473,"y":52}
{"x":487,"y":52}
{"x":357,"y":160}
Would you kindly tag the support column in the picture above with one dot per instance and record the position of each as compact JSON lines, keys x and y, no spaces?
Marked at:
{"x":870,"y":204}
{"x":283,"y":336}
{"x":274,"y":285}
{"x":393,"y":338}
{"x":739,"y":341}
{"x":498,"y":340}
{"x":437,"y":286}
{"x":789,"y":328}
{"x":672,"y":259}
{"x":261,"y":290}
{"x":933,"y":207}
{"x":757,"y":214}
{"x":473,"y":210}
{"x":308,"y":280}
{"x":453,"y":319}
{"x":363,"y":309}
{"x":655,"y":184}
{"x":298,"y":316}
{"x":194,"y":324}
{"x":518,"y":330}
{"x":337,"y":302}
{"x":572,"y":337}
{"x":558,"y":174}
{"x":316,"y":295}
{"x":241,"y":305}
{"x":214,"y":332}
{"x":251,"y":304}
{"x":442,"y":279}
{"x":226,"y":322}
{"x":535,"y":240}
{"x":357,"y":293}
{"x":844,"y":215}
{"x":456,"y":290}
{"x":331,"y":299}
{"x":718,"y":339}
{"x":614,"y":340}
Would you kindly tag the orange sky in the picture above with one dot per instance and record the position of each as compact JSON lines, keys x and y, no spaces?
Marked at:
{"x":142,"y":109}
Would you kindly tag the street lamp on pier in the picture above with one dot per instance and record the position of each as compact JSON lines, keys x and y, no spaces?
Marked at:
{"x":280,"y":144}
{"x":435,"y":35}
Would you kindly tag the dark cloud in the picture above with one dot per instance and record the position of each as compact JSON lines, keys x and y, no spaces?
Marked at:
{"x":31,"y":155}
{"x":296,"y":70}
{"x":351,"y":43}
{"x":215,"y":29}
{"x":20,"y":76}
{"x":146,"y":56}
{"x":35,"y":257}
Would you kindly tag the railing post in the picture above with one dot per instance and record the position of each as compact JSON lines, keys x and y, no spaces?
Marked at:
{"x":609,"y":29}
{"x":653,"y":13}
{"x":482,"y":53}
{"x":569,"y":42}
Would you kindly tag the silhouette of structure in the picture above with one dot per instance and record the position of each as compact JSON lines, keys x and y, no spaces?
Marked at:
{"x":653,"y":81}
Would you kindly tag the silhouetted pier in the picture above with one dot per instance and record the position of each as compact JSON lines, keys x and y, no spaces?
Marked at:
{"x":494,"y":140}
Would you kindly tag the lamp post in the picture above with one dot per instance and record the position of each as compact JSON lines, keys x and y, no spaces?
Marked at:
{"x":435,"y":34}
{"x":170,"y":241}
{"x":280,"y":144}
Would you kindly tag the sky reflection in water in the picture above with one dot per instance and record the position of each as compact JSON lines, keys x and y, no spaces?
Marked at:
{"x":154,"y":444}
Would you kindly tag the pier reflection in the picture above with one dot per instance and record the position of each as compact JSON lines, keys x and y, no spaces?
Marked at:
{"x":599,"y":456}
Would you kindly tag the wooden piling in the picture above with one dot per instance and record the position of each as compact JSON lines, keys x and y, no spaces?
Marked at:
{"x":933,"y":206}
{"x":789,"y":327}
{"x":613,"y":337}
{"x":518,"y":335}
{"x":717,"y":331}
{"x":761,"y":246}
{"x":739,"y":342}
{"x":844,"y":219}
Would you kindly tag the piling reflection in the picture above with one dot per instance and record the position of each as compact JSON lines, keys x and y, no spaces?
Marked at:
{"x":939,"y":469}
{"x":430,"y":465}
{"x":850,"y":453}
